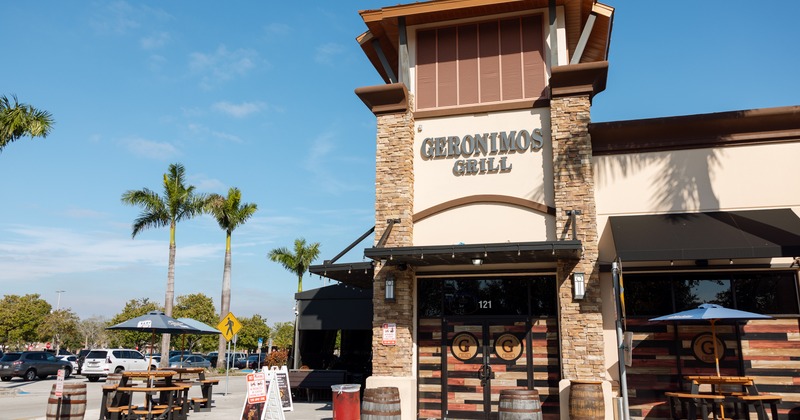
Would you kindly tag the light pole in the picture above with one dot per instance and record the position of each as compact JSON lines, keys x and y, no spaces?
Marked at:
{"x":58,"y":307}
{"x":58,"y":302}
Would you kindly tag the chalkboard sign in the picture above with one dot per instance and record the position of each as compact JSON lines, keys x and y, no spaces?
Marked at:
{"x":282,"y":379}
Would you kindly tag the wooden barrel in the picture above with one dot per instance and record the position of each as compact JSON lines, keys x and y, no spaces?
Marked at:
{"x":73,"y":402}
{"x":520,"y":404}
{"x":586,"y":400}
{"x":381,"y":404}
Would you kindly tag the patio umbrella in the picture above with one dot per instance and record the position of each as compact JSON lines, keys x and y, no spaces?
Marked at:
{"x":202,"y":329}
{"x":711,"y":313}
{"x":155,"y":322}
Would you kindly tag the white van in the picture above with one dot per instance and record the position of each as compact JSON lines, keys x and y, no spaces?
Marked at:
{"x":100,"y":362}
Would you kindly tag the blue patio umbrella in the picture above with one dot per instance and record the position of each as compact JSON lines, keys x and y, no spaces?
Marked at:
{"x":155,"y":322}
{"x":711,"y":313}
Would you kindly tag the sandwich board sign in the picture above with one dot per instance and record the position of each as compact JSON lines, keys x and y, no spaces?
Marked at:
{"x":274,"y":408}
{"x":284,"y":392}
{"x":256,"y":397}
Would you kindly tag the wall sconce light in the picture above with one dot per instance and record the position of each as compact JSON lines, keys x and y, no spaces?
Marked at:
{"x":578,"y":286}
{"x":477,"y":261}
{"x":389,"y":289}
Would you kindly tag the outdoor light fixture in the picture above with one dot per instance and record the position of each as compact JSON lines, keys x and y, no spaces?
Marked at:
{"x":477,"y":261}
{"x":389,"y":289}
{"x":578,"y":285}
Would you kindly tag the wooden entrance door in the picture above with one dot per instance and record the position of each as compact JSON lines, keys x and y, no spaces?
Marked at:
{"x":484,"y":357}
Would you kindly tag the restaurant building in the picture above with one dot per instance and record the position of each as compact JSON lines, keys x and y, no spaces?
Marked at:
{"x":503,"y":214}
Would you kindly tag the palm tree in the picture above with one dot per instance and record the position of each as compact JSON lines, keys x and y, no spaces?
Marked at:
{"x":230,"y":214}
{"x":298,"y":261}
{"x":178,"y":203}
{"x":18,"y":120}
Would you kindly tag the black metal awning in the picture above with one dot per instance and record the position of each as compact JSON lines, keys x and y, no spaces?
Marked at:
{"x":335,"y":307}
{"x":494,"y":253}
{"x":707,"y":235}
{"x":358,"y":274}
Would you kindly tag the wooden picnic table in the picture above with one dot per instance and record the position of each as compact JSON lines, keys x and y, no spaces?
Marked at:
{"x":150,"y":410}
{"x":740,"y":391}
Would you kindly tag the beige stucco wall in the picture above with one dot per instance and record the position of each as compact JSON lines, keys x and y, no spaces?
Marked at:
{"x":731,"y":178}
{"x":530,"y":178}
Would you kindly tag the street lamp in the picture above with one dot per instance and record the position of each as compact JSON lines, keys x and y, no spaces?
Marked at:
{"x":56,"y":339}
{"x":58,"y":302}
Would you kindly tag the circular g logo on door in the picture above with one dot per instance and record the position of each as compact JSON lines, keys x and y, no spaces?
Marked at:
{"x":464,"y":346}
{"x":508,"y":347}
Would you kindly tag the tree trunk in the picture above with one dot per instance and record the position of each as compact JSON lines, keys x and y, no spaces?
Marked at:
{"x":169,"y":297}
{"x":225,"y":301}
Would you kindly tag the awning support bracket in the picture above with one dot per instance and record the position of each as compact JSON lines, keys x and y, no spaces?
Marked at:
{"x":572,"y":220}
{"x":349,"y":247}
{"x":385,"y":236}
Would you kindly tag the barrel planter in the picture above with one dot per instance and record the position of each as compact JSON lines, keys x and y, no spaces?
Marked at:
{"x":381,"y":404}
{"x":586,"y":400}
{"x":519,"y":404}
{"x":73,"y":403}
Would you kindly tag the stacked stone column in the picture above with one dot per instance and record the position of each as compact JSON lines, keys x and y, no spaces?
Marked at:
{"x":394,"y":199}
{"x":581,"y":322}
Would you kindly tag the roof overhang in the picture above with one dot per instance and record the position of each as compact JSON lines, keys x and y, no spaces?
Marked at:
{"x":496,"y":253}
{"x":359,"y":274}
{"x":707,"y":236}
{"x":383,"y":24}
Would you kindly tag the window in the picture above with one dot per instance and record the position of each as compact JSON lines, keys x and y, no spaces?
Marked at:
{"x":480,"y":63}
{"x":651,"y":295}
{"x":499,"y":296}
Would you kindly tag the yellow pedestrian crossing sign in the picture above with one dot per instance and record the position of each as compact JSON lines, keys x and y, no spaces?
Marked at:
{"x":229,"y":326}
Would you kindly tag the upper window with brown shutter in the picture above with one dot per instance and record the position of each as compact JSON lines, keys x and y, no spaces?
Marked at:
{"x":480,"y":63}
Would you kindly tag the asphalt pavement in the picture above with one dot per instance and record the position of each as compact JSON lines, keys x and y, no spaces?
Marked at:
{"x":22,"y":400}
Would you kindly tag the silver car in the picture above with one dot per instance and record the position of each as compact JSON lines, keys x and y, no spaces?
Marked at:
{"x":30,"y":365}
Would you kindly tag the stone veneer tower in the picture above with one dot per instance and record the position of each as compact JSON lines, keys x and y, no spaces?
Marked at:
{"x":393,"y":365}
{"x":581,"y":321}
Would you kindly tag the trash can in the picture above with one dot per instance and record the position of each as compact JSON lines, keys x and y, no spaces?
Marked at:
{"x":346,"y":401}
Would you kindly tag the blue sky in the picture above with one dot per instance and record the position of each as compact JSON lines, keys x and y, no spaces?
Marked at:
{"x":260,"y":96}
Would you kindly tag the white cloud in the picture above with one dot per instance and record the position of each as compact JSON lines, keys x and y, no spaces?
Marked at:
{"x":151,"y":149}
{"x":154,"y":41}
{"x":327,"y":53}
{"x":241,"y":110}
{"x":277,"y":28}
{"x":320,"y":163}
{"x":35,"y":252}
{"x":199,"y":129}
{"x":222,"y":65}
{"x":116,"y":17}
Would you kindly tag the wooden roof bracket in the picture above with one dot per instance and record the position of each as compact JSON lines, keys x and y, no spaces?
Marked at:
{"x":402,"y":52}
{"x":587,"y":30}
{"x":376,"y":44}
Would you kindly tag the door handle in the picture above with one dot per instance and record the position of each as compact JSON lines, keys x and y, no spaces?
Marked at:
{"x":485,"y":373}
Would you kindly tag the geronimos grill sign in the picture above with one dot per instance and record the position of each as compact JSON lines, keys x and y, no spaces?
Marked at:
{"x":478,"y":154}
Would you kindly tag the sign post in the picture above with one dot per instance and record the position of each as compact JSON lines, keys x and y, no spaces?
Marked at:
{"x":229,"y":326}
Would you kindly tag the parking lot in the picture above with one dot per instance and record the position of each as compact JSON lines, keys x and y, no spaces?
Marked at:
{"x":24,"y":400}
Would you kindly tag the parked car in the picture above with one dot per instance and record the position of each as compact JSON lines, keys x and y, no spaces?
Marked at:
{"x":212,"y":357}
{"x":254,"y":361}
{"x":100,"y":362}
{"x":30,"y":365}
{"x":191,"y":360}
{"x":81,"y":357}
{"x":72,"y":359}
{"x":178,"y":353}
{"x":155,"y":357}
